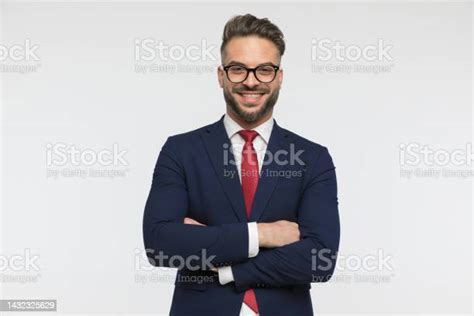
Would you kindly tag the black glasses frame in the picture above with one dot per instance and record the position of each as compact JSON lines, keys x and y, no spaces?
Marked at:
{"x":253,"y":70}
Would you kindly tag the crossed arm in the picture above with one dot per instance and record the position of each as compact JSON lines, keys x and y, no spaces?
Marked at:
{"x":292,"y":253}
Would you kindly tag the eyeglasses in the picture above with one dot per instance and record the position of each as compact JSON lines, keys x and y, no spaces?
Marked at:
{"x":263,"y":73}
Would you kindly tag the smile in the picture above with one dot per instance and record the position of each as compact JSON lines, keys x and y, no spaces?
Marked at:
{"x":251,"y":97}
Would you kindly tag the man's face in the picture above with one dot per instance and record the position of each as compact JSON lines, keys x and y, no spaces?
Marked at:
{"x":251,"y":99}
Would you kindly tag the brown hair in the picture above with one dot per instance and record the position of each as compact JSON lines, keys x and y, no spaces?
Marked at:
{"x":248,"y":25}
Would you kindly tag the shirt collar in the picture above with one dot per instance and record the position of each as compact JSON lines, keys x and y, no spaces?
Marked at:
{"x":264,"y":129}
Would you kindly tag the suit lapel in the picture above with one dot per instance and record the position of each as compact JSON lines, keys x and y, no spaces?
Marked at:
{"x":217,"y":144}
{"x":269,"y":172}
{"x":218,"y":147}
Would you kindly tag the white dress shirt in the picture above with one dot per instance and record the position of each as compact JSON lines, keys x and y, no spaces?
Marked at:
{"x":260,"y":143}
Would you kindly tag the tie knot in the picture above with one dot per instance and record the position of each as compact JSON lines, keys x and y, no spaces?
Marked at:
{"x":248,"y":135}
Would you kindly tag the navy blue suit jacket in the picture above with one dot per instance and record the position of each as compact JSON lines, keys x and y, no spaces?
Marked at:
{"x":194,"y":177}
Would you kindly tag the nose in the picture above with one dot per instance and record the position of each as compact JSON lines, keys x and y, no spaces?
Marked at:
{"x":251,"y":80}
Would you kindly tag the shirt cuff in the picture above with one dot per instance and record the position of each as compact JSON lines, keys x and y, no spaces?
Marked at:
{"x":225,"y":275}
{"x":253,"y":239}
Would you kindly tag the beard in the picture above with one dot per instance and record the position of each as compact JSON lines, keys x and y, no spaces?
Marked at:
{"x":251,"y":117}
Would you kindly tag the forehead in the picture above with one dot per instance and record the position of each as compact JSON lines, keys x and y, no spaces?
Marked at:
{"x":251,"y":51}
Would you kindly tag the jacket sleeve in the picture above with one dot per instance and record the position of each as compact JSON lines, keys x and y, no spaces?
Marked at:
{"x":313,"y":257}
{"x":168,"y":241}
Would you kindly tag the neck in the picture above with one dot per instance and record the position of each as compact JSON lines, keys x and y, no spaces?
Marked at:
{"x":245,"y":124}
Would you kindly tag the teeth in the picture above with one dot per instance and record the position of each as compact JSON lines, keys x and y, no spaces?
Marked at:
{"x":251,"y":95}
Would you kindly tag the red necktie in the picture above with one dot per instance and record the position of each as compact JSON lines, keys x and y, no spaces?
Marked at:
{"x":249,"y":177}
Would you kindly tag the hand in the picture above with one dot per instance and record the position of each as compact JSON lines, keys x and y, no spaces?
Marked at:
{"x":277,"y":234}
{"x":190,"y":221}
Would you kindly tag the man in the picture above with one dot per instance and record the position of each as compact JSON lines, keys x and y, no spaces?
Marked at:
{"x":246,"y":209}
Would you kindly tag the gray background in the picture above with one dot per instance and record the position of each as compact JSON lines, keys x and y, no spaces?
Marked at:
{"x":86,"y":93}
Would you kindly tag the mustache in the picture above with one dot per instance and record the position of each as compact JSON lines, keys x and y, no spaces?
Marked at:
{"x":248,"y":89}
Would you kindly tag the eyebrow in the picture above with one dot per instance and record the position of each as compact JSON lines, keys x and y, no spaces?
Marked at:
{"x":233,"y":62}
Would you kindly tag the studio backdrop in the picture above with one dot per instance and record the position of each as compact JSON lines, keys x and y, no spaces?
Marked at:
{"x":91,"y":91}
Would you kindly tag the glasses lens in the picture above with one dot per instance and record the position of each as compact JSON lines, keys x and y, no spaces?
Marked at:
{"x":265,"y":73}
{"x":236,"y":73}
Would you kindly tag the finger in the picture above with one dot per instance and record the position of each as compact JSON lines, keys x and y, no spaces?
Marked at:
{"x":190,"y":221}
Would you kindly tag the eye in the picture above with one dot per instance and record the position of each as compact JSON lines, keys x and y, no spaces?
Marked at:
{"x":265,"y":70}
{"x":237,"y":69}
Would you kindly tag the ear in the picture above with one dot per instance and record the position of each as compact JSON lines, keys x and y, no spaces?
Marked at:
{"x":220,"y":76}
{"x":280,"y":76}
